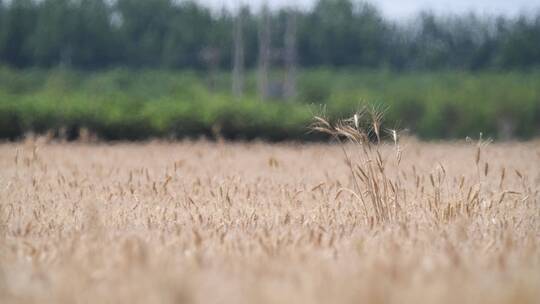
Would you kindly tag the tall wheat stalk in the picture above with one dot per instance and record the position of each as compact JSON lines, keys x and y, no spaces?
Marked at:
{"x":378,"y":193}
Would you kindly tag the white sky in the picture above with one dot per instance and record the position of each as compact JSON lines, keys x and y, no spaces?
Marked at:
{"x":400,"y":9}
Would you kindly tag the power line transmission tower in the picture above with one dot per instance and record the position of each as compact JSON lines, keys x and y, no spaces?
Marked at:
{"x":290,"y":56}
{"x":211,"y":57}
{"x":238,"y":68}
{"x":264,"y":52}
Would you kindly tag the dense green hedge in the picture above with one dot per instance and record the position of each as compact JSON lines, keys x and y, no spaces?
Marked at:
{"x":122,"y":104}
{"x":160,"y":118}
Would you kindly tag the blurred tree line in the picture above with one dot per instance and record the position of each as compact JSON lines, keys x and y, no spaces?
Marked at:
{"x":92,"y":34}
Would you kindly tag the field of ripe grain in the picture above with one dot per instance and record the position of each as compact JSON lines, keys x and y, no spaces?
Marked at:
{"x":201,"y":222}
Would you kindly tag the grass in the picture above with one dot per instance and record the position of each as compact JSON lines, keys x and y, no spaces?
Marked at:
{"x":399,"y":221}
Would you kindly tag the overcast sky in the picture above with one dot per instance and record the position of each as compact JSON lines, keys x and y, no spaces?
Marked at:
{"x":399,"y":9}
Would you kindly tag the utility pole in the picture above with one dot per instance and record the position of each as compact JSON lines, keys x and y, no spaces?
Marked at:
{"x":211,"y":57}
{"x":290,"y":56}
{"x":264,"y":52}
{"x":238,"y":59}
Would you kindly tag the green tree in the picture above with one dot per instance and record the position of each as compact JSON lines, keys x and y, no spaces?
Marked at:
{"x":18,"y":27}
{"x":144,"y":26}
{"x":191,"y":28}
{"x":95,"y":41}
{"x":3,"y":27}
{"x":520,"y":44}
{"x":342,"y":32}
{"x":54,"y":32}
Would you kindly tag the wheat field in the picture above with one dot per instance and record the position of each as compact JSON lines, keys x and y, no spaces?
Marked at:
{"x":215,"y":222}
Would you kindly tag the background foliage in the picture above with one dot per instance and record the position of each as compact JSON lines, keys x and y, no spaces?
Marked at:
{"x":122,"y":104}
{"x":90,"y":34}
{"x":133,"y":69}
